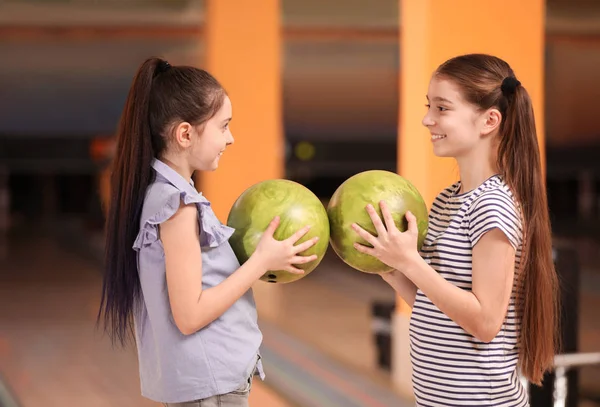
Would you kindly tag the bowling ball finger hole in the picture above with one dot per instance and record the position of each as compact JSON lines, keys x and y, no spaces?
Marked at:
{"x":272,"y":278}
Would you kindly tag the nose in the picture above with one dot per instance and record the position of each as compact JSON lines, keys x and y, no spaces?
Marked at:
{"x":427,"y":120}
{"x":229,"y":140}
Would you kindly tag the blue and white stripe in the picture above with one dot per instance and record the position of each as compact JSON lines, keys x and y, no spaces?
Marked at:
{"x":450,"y":366}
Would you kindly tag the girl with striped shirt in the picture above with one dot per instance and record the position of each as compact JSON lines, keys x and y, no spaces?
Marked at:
{"x":483,"y":290}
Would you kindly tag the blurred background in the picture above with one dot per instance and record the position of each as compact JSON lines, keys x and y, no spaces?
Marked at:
{"x":65,"y":70}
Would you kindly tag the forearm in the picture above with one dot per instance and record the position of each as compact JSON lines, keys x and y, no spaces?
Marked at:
{"x":213,"y":302}
{"x":403,"y":287}
{"x":460,"y":305}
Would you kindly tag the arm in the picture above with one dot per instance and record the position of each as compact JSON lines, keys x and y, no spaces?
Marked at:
{"x":482,"y":311}
{"x":402,"y":285}
{"x":193,"y":308}
{"x":479,"y":312}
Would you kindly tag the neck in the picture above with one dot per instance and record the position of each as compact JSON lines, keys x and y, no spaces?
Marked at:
{"x":474,"y":171}
{"x":178,"y":164}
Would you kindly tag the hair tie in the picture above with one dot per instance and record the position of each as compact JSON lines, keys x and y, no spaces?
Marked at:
{"x":162,"y":66}
{"x":509,"y":86}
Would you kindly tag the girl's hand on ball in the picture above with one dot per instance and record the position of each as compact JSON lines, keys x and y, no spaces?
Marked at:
{"x":390,"y":246}
{"x":283,"y":254}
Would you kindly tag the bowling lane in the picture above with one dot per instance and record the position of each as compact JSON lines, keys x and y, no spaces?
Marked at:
{"x":50,"y":352}
{"x":51,"y":355}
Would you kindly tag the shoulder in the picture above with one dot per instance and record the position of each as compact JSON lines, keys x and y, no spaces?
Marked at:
{"x":161,"y":201}
{"x":495,"y":194}
{"x":495,"y":207}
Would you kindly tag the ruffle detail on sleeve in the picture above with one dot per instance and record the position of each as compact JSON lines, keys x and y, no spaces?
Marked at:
{"x":212,"y":231}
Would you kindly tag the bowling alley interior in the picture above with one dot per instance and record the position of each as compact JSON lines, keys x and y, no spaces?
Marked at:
{"x":321,"y":91}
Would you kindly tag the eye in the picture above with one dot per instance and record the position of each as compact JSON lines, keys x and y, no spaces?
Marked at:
{"x":442,"y":108}
{"x":428,"y":106}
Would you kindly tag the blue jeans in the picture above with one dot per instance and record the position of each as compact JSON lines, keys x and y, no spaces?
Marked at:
{"x":236,"y":398}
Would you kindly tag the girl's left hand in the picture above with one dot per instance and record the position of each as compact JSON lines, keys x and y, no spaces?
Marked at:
{"x":392,"y":247}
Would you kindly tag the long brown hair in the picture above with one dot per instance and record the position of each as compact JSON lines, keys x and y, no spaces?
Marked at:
{"x":480,"y":78}
{"x":160,"y":97}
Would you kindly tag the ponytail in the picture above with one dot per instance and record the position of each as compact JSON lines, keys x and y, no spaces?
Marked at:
{"x":131,"y":176}
{"x":538,"y":301}
{"x":160,"y":97}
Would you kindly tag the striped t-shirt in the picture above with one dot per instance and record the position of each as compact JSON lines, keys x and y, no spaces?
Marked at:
{"x":450,"y":366}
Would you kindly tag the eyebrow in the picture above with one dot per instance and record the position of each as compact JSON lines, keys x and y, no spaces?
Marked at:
{"x":227,"y":120}
{"x":440,"y":99}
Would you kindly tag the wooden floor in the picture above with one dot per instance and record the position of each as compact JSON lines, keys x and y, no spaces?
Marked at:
{"x":50,"y":353}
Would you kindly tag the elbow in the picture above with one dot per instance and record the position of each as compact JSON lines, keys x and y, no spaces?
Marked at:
{"x":186,"y":329}
{"x":486,"y":332}
{"x":186,"y":325}
{"x":187,"y":318}
{"x":486,"y":336}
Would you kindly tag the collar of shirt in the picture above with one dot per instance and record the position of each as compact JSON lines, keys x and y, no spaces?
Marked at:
{"x":175,"y":178}
{"x":213,"y":231}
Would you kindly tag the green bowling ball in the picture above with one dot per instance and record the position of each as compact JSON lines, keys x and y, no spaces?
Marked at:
{"x":348,"y":205}
{"x":296,"y":206}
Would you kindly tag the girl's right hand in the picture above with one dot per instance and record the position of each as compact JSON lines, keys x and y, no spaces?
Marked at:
{"x":282,"y":255}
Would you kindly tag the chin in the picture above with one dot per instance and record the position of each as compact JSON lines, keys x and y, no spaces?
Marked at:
{"x":207,"y":167}
{"x":446,"y":150}
{"x":440,"y":152}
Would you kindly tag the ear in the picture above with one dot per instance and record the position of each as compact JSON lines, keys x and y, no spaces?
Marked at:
{"x":183,"y":135}
{"x":492,"y":119}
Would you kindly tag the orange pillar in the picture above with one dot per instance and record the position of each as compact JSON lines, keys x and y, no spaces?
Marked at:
{"x":432,"y":31}
{"x":243,"y":51}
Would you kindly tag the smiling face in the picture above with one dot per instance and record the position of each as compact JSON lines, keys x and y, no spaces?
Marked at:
{"x":457,"y":128}
{"x":200,"y":147}
{"x":211,"y":140}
